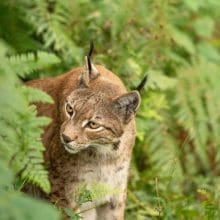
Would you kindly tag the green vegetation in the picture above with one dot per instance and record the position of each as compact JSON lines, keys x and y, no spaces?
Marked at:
{"x":175,"y":171}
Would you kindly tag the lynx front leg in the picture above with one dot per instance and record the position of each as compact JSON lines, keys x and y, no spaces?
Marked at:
{"x":111,"y":211}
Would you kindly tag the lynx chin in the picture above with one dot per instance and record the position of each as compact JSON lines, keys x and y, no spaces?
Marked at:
{"x":90,"y":139}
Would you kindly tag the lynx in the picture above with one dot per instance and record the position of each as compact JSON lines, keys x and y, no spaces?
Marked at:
{"x":90,"y":139}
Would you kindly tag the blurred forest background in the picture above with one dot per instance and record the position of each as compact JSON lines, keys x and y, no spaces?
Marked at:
{"x":175,"y":170}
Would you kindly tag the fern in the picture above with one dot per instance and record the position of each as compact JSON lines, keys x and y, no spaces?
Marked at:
{"x":21,"y":155}
{"x":198,"y":112}
{"x":49,"y":17}
{"x":30,"y":158}
{"x":24,"y":64}
{"x":36,"y":95}
{"x":177,"y":150}
{"x":21,"y":139}
{"x":19,"y":206}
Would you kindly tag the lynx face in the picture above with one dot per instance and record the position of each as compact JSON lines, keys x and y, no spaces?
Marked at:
{"x":95,"y":120}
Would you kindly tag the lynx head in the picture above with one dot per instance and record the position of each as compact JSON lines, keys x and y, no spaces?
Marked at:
{"x":96,"y":113}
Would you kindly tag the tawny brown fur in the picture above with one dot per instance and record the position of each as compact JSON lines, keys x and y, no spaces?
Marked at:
{"x":67,"y":171}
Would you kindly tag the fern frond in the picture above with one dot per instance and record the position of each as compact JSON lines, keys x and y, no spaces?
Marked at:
{"x":36,"y":95}
{"x":198,"y":107}
{"x":28,"y":161}
{"x":49,"y":19}
{"x":160,"y":157}
{"x":20,"y":129}
{"x":25,"y":64}
{"x":19,"y":206}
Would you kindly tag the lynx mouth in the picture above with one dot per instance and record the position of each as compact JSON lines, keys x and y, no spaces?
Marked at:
{"x":105,"y":148}
{"x":73,"y":147}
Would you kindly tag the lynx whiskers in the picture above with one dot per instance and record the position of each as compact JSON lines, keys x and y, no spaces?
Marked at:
{"x":91,"y":136}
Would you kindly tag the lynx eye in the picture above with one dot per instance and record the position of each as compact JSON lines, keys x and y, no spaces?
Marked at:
{"x":69,"y":109}
{"x":93,"y":125}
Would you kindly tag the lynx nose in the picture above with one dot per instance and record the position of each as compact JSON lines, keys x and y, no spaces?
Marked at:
{"x":66,"y":138}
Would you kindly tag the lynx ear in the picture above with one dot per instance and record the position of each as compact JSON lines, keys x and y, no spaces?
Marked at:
{"x":126,"y":105}
{"x":89,"y":70}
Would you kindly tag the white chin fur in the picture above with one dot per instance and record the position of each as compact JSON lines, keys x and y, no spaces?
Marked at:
{"x":73,"y":149}
{"x":101,"y":149}
{"x":70,"y":150}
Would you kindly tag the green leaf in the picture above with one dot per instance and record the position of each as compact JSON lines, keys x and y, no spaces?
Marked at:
{"x":25,"y":64}
{"x":208,"y":52}
{"x":6,"y":175}
{"x":84,"y":196}
{"x":158,"y":80}
{"x":193,"y":5}
{"x":183,"y":40}
{"x":204,"y":26}
{"x":72,"y":214}
{"x":19,"y":207}
{"x":36,"y":95}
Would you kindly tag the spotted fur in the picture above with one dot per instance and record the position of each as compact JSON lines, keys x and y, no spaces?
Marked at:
{"x":77,"y":154}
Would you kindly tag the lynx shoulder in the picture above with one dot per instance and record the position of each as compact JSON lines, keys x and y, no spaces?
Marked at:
{"x":90,"y":139}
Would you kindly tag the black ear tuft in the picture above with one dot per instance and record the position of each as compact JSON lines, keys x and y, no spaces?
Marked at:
{"x":126,"y":105}
{"x":89,"y":71}
{"x":142,"y":83}
{"x":91,"y":47}
{"x":89,"y":56}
